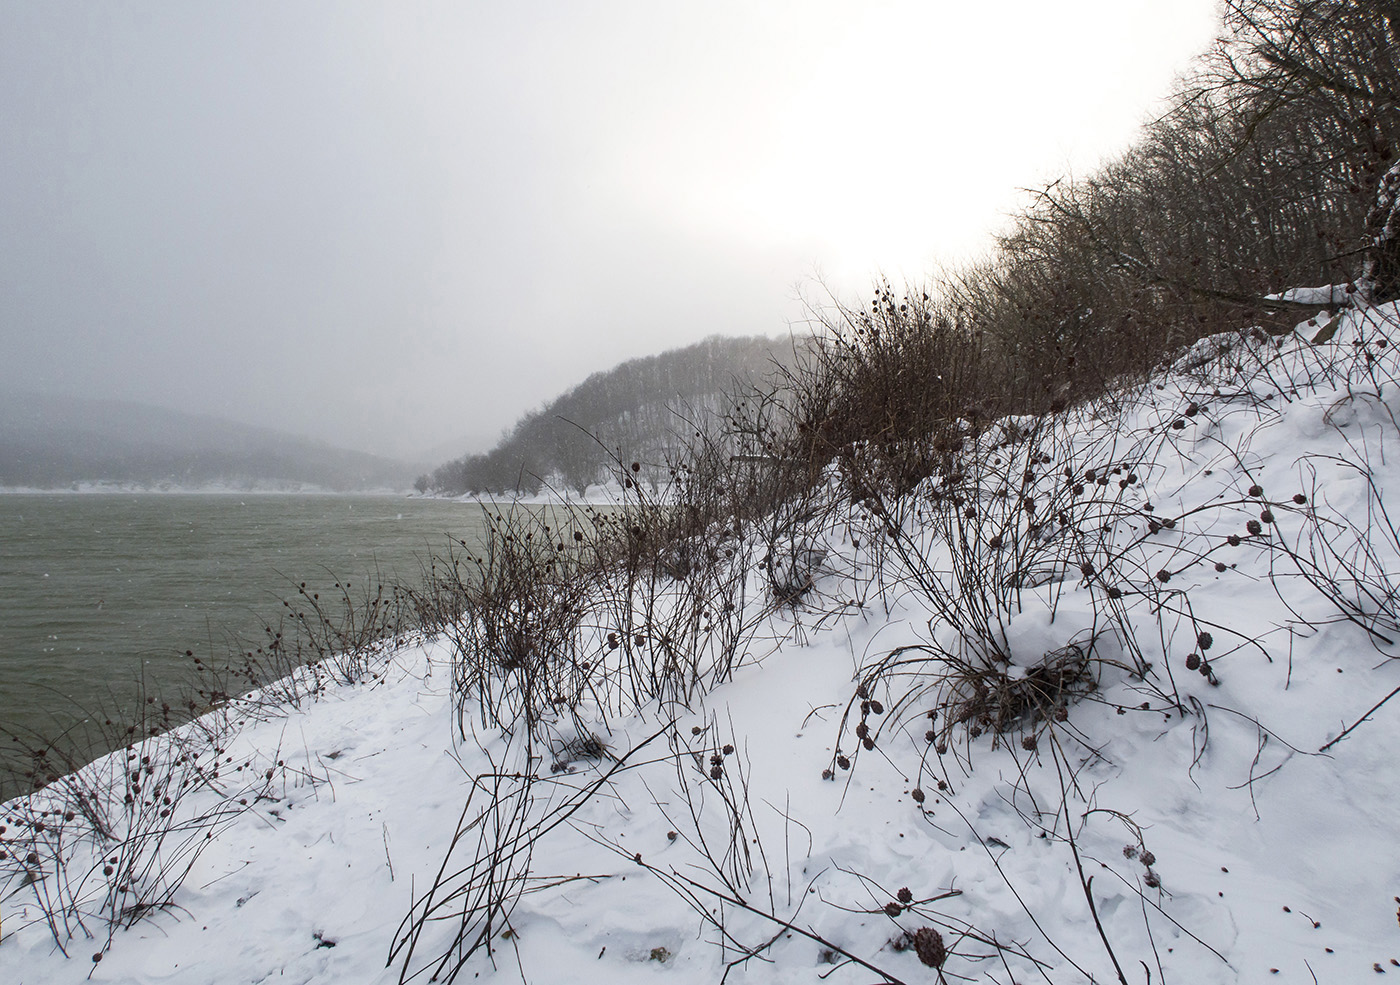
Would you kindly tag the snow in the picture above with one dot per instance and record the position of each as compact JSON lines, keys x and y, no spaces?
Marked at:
{"x":1220,"y":828}
{"x":603,"y":494}
{"x":1327,"y":295}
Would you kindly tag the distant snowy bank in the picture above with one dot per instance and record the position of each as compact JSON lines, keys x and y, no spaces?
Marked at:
{"x":598,"y":494}
{"x":98,"y":487}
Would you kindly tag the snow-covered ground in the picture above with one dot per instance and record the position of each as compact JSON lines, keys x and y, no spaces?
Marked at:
{"x":1206,"y":589}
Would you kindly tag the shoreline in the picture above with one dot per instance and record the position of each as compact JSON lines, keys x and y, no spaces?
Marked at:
{"x":124,"y":489}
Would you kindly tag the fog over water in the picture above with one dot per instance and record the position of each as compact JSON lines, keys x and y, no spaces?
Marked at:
{"x":393,"y":225}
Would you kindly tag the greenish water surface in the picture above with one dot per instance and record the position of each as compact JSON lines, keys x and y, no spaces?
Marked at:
{"x":101,"y":594}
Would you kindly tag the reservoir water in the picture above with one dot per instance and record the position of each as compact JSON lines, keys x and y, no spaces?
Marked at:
{"x":102,"y":594}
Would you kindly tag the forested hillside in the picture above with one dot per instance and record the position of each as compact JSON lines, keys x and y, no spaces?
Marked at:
{"x":645,"y":410}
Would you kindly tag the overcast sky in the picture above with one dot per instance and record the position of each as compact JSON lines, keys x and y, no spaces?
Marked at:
{"x":388,"y":225}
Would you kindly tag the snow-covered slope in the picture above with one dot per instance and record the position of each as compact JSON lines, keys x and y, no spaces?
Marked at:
{"x":1153,"y":633}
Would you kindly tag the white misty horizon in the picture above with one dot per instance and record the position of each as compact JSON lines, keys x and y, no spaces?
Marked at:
{"x":387,"y":228}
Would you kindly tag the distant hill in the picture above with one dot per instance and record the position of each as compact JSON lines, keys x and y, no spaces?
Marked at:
{"x":49,"y":442}
{"x":641,"y":410}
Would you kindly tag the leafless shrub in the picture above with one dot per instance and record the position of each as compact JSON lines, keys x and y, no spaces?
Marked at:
{"x":672,"y":598}
{"x":516,"y":648}
{"x":105,"y":844}
{"x":1000,"y":703}
{"x":1008,"y":526}
{"x":487,"y":867}
{"x":1350,"y":556}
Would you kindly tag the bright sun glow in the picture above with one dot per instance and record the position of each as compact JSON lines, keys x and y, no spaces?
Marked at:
{"x":901,"y":137}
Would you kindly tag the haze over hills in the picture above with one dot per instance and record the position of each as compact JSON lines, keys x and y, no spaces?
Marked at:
{"x":50,"y":442}
{"x":54,"y":442}
{"x":466,"y":443}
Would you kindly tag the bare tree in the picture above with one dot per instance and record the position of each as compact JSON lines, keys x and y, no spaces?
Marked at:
{"x":1341,"y":58}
